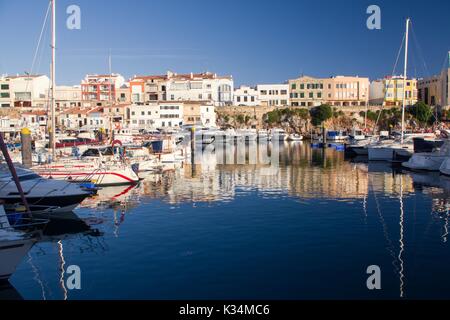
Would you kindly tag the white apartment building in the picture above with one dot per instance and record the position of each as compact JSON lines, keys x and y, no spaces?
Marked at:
{"x":246,"y":96}
{"x":200,"y":87}
{"x":199,"y":114}
{"x":143,"y":116}
{"x":10,"y":124}
{"x":273,"y":95}
{"x":68,"y":97}
{"x":182,"y":87}
{"x":34,"y":119}
{"x":158,"y":115}
{"x":96,"y":119}
{"x":170,"y":114}
{"x":29,"y":90}
{"x":6,"y":100}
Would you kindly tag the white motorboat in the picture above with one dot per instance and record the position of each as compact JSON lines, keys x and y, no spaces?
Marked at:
{"x":335,"y":136}
{"x":14,"y":246}
{"x":390,"y":152}
{"x":295,"y":137}
{"x":263,"y":135}
{"x":99,"y":166}
{"x":430,"y":161}
{"x":357,"y":135}
{"x":278,"y":135}
{"x":40,"y":193}
{"x":445,"y":167}
{"x":247,"y":135}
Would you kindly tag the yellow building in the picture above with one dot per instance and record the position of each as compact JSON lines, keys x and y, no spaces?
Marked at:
{"x":389,"y":91}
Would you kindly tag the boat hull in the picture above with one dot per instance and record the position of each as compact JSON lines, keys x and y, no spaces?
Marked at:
{"x":11,"y":255}
{"x":381,"y":154}
{"x":424,"y":162}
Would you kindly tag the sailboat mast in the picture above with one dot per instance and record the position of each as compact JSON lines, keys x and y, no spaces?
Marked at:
{"x":53,"y":122}
{"x":405,"y":78}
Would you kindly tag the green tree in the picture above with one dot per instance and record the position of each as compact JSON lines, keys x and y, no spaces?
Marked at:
{"x":240,"y":118}
{"x":321,"y":114}
{"x":422,"y":112}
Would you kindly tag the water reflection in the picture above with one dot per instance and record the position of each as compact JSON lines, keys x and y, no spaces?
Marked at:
{"x":401,"y":212}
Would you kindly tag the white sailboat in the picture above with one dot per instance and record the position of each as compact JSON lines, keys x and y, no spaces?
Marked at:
{"x":389,"y":152}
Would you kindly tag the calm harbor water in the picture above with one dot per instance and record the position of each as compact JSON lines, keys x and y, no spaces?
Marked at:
{"x":305,"y":230}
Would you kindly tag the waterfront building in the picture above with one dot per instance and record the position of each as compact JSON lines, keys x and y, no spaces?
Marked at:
{"x":200,"y":87}
{"x":74,"y":118}
{"x":146,"y":89}
{"x":101,"y":87}
{"x":273,"y":95}
{"x":6,"y":100}
{"x":199,"y":114}
{"x":430,"y":91}
{"x":155,"y":115}
{"x":96,"y":119}
{"x":68,"y":97}
{"x":117,"y":113}
{"x":306,"y":92}
{"x":389,"y":91}
{"x":343,"y":91}
{"x":434,"y":91}
{"x":34,"y":119}
{"x":183,"y":87}
{"x":246,"y":96}
{"x":143,"y":116}
{"x":12,"y":123}
{"x":27,"y":91}
{"x":124,"y":94}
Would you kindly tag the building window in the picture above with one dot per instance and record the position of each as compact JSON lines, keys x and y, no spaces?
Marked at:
{"x":294,"y":86}
{"x":5,"y":87}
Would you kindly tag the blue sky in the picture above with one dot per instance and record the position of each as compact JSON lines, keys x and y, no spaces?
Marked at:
{"x":256,"y":41}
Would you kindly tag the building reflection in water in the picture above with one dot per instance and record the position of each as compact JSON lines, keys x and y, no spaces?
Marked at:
{"x":302,"y":172}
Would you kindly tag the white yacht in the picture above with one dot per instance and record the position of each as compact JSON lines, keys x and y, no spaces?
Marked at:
{"x":390,"y":151}
{"x":99,"y":166}
{"x":445,"y":167}
{"x":247,"y":135}
{"x":263,"y":135}
{"x":430,"y":161}
{"x":336,"y":136}
{"x":295,"y":137}
{"x":40,"y":193}
{"x":14,"y":246}
{"x":278,"y":135}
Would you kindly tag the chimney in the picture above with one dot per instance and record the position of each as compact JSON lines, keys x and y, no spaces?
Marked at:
{"x":192,"y":75}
